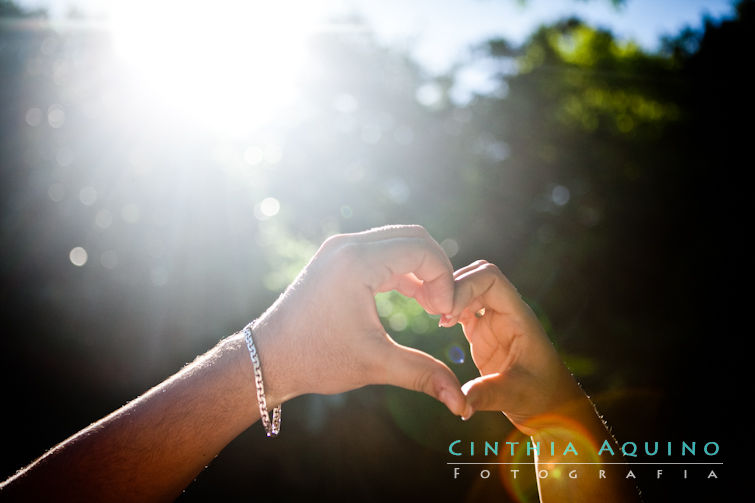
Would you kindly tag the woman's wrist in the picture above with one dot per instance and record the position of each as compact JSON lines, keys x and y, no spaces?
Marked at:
{"x":573,"y":418}
{"x":565,"y":404}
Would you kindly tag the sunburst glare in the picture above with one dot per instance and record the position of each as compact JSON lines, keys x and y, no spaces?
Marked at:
{"x":231,"y":67}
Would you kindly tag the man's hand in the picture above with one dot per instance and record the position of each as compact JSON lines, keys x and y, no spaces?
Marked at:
{"x":323,"y":335}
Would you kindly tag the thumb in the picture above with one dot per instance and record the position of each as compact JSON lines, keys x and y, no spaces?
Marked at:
{"x":412,"y":369}
{"x":483,"y":393}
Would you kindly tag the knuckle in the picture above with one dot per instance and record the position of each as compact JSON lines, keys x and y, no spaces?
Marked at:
{"x":341,"y":253}
{"x":334,"y":241}
{"x":416,"y":231}
{"x":422,"y":232}
{"x":490,"y":268}
{"x":350,"y":252}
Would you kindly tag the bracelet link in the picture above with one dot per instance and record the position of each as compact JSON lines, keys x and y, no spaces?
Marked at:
{"x":272,"y":428}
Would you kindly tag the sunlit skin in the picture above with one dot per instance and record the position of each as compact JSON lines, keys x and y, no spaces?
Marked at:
{"x":522,"y":375}
{"x":323,"y":335}
{"x":327,"y":326}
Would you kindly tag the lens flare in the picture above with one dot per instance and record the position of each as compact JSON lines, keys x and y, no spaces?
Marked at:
{"x":456,"y":354}
{"x":78,"y":256}
{"x":568,"y":431}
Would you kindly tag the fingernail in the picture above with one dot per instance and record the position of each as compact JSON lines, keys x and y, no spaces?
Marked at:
{"x":469,"y":412}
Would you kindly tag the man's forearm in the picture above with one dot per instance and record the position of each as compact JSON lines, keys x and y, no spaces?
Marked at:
{"x":153,"y":447}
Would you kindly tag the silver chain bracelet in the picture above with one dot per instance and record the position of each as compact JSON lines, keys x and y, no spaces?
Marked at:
{"x":271,"y":427}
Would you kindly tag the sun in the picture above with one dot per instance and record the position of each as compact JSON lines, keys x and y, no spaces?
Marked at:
{"x":229,"y":63}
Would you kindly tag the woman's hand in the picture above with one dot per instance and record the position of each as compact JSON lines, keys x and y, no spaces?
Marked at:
{"x":323,"y":335}
{"x":521,"y":373}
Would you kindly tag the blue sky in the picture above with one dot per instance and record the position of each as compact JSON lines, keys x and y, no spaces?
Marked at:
{"x":439,"y":32}
{"x":435,"y":31}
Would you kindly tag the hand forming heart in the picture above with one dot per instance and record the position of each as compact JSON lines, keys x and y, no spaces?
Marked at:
{"x":323,"y":335}
{"x":327,"y":326}
{"x":521,"y":373}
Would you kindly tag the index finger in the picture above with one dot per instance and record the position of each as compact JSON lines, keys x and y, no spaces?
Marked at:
{"x":396,"y":254}
{"x":484,"y":284}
